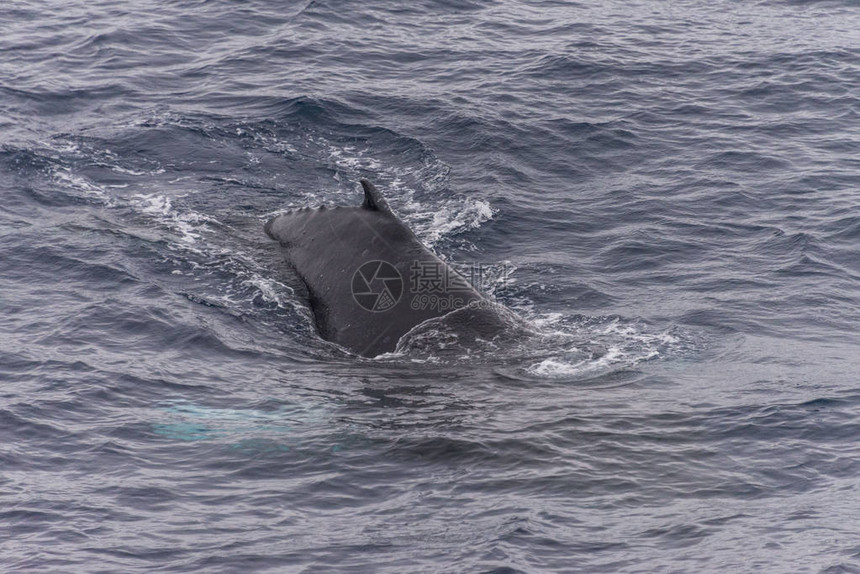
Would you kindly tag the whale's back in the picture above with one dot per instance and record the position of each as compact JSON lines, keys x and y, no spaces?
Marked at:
{"x":369,"y":279}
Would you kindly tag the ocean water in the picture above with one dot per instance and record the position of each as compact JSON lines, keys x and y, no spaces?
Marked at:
{"x":666,"y":192}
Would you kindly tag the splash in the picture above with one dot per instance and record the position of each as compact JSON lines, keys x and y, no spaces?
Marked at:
{"x":187,"y":225}
{"x":599,"y":345}
{"x":66,"y":179}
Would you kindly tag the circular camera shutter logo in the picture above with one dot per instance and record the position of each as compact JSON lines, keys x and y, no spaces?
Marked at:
{"x":377,"y":286}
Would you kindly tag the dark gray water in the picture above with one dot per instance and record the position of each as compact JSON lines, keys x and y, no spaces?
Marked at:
{"x":666,"y":191}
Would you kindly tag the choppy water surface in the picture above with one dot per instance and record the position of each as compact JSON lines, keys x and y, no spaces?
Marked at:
{"x":666,"y":192}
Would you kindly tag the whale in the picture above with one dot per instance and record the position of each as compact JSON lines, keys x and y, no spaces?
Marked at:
{"x":370,"y":281}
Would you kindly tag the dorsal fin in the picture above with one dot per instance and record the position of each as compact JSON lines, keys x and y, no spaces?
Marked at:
{"x":373,"y":200}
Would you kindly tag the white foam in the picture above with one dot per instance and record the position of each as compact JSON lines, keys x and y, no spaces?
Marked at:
{"x":350,"y":158}
{"x":187,"y":225}
{"x":135,"y":172}
{"x":63,"y":176}
{"x":558,"y":368}
{"x":454,"y":219}
{"x":625,"y":345}
{"x":270,"y":290}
